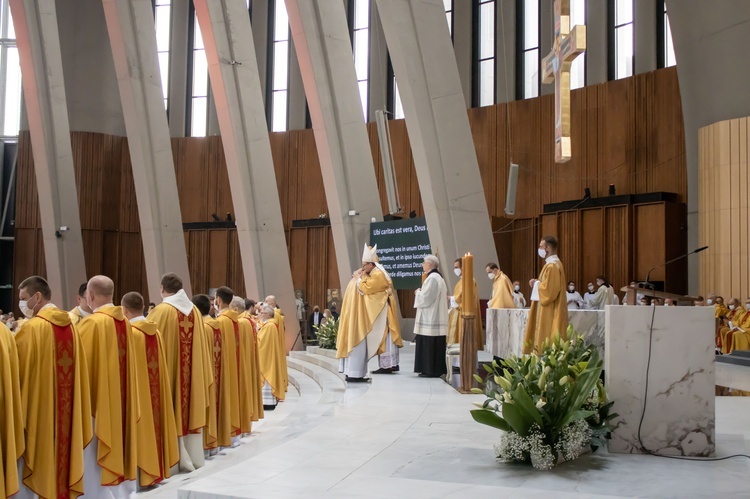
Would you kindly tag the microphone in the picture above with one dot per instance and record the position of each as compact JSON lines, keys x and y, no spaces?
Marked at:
{"x":703,"y":248}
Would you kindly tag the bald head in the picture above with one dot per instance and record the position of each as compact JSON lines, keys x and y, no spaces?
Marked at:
{"x":100,"y":290}
{"x":270,"y":300}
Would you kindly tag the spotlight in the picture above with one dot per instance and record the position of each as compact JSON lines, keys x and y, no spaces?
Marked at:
{"x":611,"y":189}
{"x":229,"y":217}
{"x":216,"y":218}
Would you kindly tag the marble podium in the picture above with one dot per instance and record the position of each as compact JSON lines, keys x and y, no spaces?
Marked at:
{"x":506,"y":328}
{"x":680,"y":416}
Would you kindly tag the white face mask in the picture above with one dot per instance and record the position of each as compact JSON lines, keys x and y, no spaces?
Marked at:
{"x":517,"y":288}
{"x":25,"y":310}
{"x":709,"y":302}
{"x":731,"y":307}
{"x":491,"y":275}
{"x":747,"y":306}
{"x":457,"y":272}
{"x":571,"y":288}
{"x":541,"y":253}
{"x":591,"y":288}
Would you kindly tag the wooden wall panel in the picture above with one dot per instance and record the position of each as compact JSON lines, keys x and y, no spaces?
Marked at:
{"x":592,"y":251}
{"x":617,"y":246}
{"x":650,"y":243}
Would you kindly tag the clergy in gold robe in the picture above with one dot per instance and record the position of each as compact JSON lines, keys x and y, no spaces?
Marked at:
{"x":741,"y":337}
{"x":733,"y":320}
{"x":368,"y":324}
{"x":548,"y":316}
{"x":280,"y":320}
{"x":271,"y":371}
{"x":218,"y":414}
{"x":111,"y":457}
{"x":11,"y":415}
{"x":55,"y":393}
{"x":502,"y":288}
{"x":156,"y":426}
{"x":188,"y":367}
{"x":82,"y":309}
{"x":230,"y":336}
{"x":721,"y":309}
{"x":455,"y":322}
{"x":250,"y":383}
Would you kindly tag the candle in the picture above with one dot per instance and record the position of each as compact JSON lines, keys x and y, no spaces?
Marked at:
{"x":469,"y":301}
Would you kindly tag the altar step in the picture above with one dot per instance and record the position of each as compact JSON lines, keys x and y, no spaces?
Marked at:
{"x":331,"y":386}
{"x":738,"y":357}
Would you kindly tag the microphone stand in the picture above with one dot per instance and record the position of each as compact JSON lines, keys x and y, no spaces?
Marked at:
{"x":648,"y":285}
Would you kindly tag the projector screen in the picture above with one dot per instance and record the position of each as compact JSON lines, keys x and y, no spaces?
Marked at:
{"x":402,"y":246}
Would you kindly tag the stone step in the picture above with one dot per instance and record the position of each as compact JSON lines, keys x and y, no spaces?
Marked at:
{"x":325,"y":352}
{"x":331,"y":385}
{"x":309,"y":390}
{"x":331,"y":364}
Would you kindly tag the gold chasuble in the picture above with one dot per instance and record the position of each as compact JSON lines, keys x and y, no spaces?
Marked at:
{"x":724,"y":338}
{"x":157,"y":434}
{"x":502,"y":293}
{"x":268,"y":358}
{"x":362,"y":304}
{"x":279,"y":317}
{"x":455,"y":324}
{"x":741,"y":340}
{"x":549,"y":315}
{"x":248,"y":376}
{"x":76,"y":316}
{"x":107,"y":342}
{"x":56,"y":404}
{"x":230,"y":355}
{"x":249,"y":335}
{"x":188,"y":364}
{"x":213,"y":345}
{"x":11,"y":415}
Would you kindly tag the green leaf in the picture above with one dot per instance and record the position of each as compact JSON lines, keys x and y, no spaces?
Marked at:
{"x":478,"y":391}
{"x":575,"y":416}
{"x":526,"y":405}
{"x":478,"y":378}
{"x":515,"y":418}
{"x":489,"y":418}
{"x":487,"y":368}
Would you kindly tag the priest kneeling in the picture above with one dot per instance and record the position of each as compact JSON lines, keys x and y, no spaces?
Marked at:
{"x":431,"y":323}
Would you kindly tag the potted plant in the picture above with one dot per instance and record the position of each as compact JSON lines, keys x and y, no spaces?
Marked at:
{"x":326,"y":333}
{"x":549,"y":406}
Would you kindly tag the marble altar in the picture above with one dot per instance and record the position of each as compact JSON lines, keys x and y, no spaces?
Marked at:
{"x":680,"y":414}
{"x":506,"y":328}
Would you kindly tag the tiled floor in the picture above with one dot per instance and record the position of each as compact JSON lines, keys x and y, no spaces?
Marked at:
{"x":404,"y":436}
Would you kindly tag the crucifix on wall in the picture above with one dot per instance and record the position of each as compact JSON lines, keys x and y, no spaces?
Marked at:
{"x":568,"y":44}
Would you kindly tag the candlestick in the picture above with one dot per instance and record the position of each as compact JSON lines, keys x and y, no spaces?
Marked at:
{"x":469,"y":300}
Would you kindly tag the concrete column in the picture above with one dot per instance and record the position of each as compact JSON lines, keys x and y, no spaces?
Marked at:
{"x":463,"y":38}
{"x":133,"y":38}
{"x":505,"y":48}
{"x":321,"y":35}
{"x":379,"y":81}
{"x":644,"y":35}
{"x":596,"y":42}
{"x":260,"y":38}
{"x":441,"y":141}
{"x":233,"y":71}
{"x":546,"y":39}
{"x":178,"y":64}
{"x":297,"y":102}
{"x":46,"y":107}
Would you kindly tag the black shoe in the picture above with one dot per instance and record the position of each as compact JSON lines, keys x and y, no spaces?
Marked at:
{"x":383,"y":370}
{"x":456,"y":370}
{"x":268,"y":407}
{"x":394,"y":369}
{"x":424,"y":375}
{"x":357,"y":380}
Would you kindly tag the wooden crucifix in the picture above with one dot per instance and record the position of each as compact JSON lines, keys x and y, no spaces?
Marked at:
{"x":568,"y":44}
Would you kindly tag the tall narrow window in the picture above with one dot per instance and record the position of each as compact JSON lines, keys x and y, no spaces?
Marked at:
{"x":484,"y":51}
{"x":198,"y":122}
{"x":10,"y":75}
{"x":163,"y":19}
{"x":529,"y":56}
{"x":578,"y":68}
{"x":279,"y":68}
{"x":667,"y":44}
{"x":359,"y":25}
{"x":448,"y":4}
{"x":622,"y":36}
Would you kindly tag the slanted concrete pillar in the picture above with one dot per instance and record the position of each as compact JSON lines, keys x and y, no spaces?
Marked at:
{"x":324,"y":51}
{"x":46,"y":109}
{"x":235,"y":81}
{"x":132,"y":34}
{"x":439,"y":133}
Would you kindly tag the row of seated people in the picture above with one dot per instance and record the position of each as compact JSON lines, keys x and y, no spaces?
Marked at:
{"x":732,"y":324}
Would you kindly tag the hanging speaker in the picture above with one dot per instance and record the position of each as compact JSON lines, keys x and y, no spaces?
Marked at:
{"x":510,"y":196}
